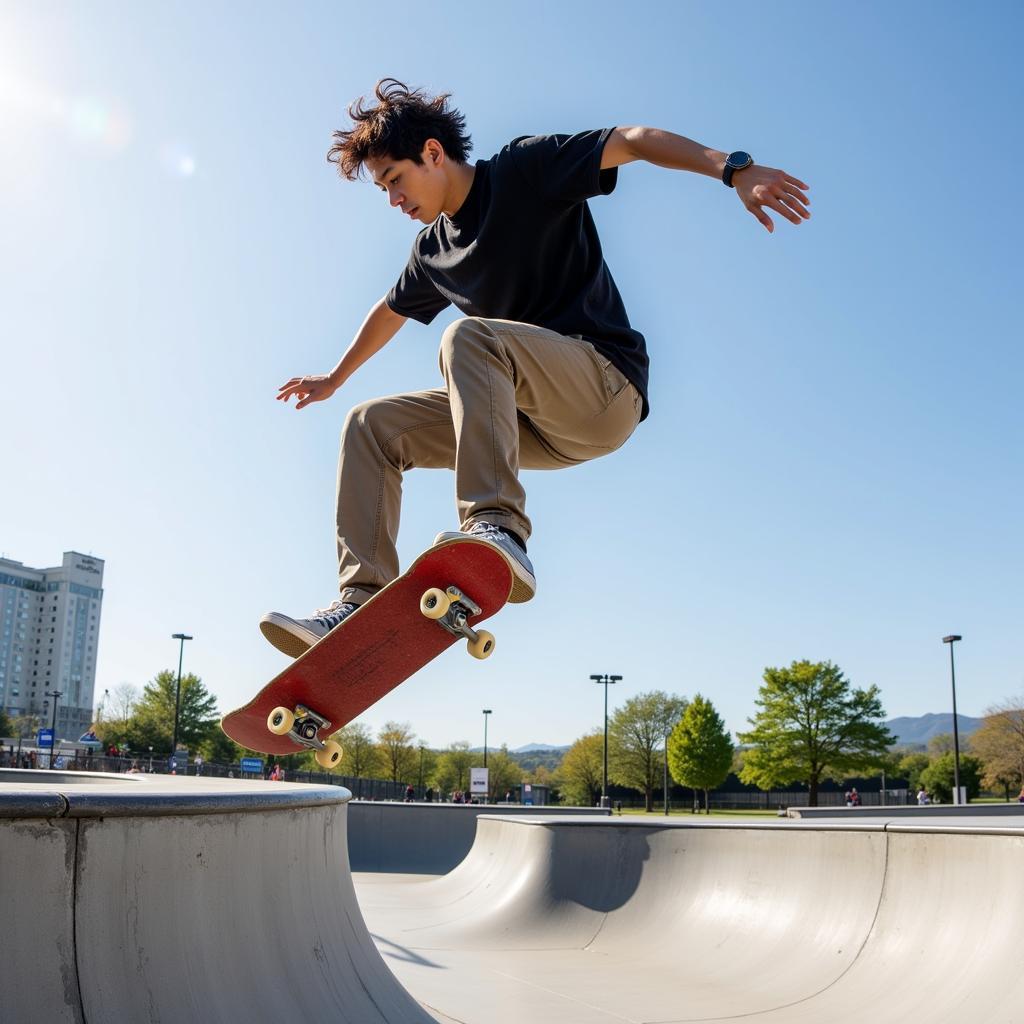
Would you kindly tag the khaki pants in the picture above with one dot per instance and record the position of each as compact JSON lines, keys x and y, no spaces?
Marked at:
{"x":515,"y":397}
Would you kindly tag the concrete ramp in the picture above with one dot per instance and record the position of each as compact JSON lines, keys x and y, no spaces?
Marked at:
{"x":135,"y":899}
{"x":596,"y":921}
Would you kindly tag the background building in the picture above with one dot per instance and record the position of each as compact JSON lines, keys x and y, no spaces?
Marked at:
{"x":49,"y":634}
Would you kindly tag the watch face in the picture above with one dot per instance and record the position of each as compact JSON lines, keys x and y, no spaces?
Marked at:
{"x":739,"y":159}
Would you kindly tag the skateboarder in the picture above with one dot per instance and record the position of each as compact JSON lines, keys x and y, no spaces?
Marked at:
{"x":543,"y":371}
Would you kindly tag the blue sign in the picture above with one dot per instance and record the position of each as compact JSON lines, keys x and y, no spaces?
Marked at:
{"x":253,"y":765}
{"x":45,"y":738}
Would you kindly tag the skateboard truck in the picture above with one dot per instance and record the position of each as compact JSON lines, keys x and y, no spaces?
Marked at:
{"x":451,"y":609}
{"x":302,"y":725}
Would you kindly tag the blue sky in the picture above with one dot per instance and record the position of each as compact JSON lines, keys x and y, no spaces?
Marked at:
{"x":832,"y":468}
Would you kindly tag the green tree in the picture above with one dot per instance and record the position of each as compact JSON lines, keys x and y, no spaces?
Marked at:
{"x":636,"y":740}
{"x":426,"y":764}
{"x":937,"y":778}
{"x":700,"y":749}
{"x":504,"y":773}
{"x":451,"y":772}
{"x":581,"y":774}
{"x":26,"y":726}
{"x":813,"y":725}
{"x":360,"y":757}
{"x":152,"y":721}
{"x":911,"y":766}
{"x":6,"y":725}
{"x":396,"y":747}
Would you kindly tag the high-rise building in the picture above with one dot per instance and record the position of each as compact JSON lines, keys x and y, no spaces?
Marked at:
{"x":49,"y":633}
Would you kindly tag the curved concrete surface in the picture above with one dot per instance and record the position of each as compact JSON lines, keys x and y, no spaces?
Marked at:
{"x":163,"y":899}
{"x":584,"y":921}
{"x":420,"y":838}
{"x":145,"y":898}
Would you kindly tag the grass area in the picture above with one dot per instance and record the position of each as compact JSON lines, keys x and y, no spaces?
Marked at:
{"x":678,"y":812}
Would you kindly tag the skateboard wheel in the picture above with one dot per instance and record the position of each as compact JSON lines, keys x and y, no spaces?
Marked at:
{"x":434,"y":604}
{"x":280,"y":721}
{"x":330,"y":755}
{"x":483,"y":645}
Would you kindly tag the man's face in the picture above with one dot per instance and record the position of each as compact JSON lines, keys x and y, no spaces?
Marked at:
{"x":418,"y":190}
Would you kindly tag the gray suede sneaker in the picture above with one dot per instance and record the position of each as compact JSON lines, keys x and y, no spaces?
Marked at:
{"x":524,"y":584}
{"x":296,"y":636}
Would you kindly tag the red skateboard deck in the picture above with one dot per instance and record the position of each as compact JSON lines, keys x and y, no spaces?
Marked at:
{"x":377,"y":647}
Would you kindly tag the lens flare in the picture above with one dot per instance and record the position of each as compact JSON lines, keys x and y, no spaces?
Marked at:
{"x":177,"y":160}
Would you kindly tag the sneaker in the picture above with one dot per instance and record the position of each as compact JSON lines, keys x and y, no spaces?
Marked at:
{"x":296,"y":636}
{"x":524,"y":583}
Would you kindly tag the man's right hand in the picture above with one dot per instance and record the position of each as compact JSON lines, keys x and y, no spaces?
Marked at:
{"x":307,"y":389}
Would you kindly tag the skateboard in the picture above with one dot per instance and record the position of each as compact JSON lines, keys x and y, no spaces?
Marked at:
{"x":442,"y":597}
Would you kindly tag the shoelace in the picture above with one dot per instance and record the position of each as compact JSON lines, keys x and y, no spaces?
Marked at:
{"x":334,"y":613}
{"x":488,"y":530}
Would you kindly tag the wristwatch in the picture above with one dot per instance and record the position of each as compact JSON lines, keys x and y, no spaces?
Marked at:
{"x":735,"y":162}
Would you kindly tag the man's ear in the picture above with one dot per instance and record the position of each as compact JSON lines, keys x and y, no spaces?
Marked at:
{"x":433,"y":153}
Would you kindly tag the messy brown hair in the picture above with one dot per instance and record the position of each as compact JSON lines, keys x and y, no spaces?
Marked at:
{"x":398,"y":126}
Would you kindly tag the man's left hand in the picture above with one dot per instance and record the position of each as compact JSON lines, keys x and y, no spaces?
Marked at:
{"x":766,"y":187}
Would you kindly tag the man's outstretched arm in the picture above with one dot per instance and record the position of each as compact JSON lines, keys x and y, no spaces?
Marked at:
{"x":379,"y":327}
{"x":757,"y":186}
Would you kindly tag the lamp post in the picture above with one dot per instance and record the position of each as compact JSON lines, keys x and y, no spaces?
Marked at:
{"x":56,"y":695}
{"x":487,"y":712}
{"x":952,"y":639}
{"x":605,"y":681}
{"x":177,"y":690}
{"x":665,"y":783}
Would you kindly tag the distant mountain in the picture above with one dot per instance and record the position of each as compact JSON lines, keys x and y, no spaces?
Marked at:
{"x":918,"y":731}
{"x":531,"y":747}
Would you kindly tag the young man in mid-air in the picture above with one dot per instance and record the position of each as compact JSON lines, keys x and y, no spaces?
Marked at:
{"x":543,"y":371}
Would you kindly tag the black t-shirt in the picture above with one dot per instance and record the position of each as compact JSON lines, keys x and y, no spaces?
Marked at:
{"x":523,"y":246}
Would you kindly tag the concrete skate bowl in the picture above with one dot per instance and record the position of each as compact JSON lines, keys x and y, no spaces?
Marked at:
{"x":147,"y":899}
{"x":595,"y":921}
{"x":135,"y":899}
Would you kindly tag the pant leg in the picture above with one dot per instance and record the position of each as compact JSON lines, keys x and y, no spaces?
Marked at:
{"x":381,"y":439}
{"x":525,"y":397}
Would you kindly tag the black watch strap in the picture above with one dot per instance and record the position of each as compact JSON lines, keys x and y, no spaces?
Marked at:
{"x":735,"y":162}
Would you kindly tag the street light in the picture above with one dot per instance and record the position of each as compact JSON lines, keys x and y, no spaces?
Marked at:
{"x":56,"y":695}
{"x":177,"y":691}
{"x":665,"y":782}
{"x":605,"y":680}
{"x":487,"y":711}
{"x":952,"y":639}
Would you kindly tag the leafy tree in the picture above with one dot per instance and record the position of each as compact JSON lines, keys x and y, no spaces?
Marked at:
{"x":811,"y":725}
{"x":700,"y":749}
{"x":938,"y":777}
{"x":396,"y":746}
{"x":218,"y":748}
{"x":999,"y":743}
{"x":910,"y":767}
{"x":941,"y":743}
{"x":582,"y":772}
{"x":6,"y":725}
{"x":636,"y":740}
{"x":452,"y":770}
{"x":504,"y":773}
{"x":152,"y":723}
{"x":26,"y":726}
{"x":360,"y":757}
{"x":426,"y":764}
